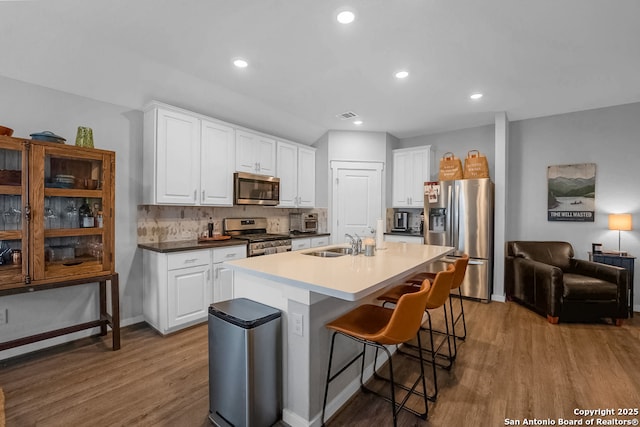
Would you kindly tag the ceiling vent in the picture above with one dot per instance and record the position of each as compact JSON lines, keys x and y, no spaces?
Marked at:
{"x":347,"y":115}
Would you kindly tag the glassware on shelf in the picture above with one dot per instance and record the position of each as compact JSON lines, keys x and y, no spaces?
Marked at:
{"x":50,"y":216}
{"x":95,"y":250}
{"x":71,"y":214}
{"x":13,"y":216}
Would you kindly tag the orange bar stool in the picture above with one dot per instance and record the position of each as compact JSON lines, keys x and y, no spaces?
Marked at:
{"x":377,"y":326}
{"x":440,"y":289}
{"x":461,"y":269}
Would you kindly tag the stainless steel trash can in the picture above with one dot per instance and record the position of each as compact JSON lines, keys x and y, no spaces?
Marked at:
{"x":245,"y":368}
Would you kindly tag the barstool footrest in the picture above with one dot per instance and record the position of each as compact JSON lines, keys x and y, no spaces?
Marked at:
{"x":400,"y":405}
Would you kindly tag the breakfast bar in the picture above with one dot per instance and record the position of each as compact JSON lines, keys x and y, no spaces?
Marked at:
{"x":312,"y":288}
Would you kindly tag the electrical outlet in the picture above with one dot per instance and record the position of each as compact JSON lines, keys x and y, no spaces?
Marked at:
{"x":4,"y":316}
{"x":297,"y":324}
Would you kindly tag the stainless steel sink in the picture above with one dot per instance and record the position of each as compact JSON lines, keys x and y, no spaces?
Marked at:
{"x":330,"y":253}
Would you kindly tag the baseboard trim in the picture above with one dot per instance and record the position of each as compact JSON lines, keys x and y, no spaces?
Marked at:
{"x":498,"y":298}
{"x":63,"y":339}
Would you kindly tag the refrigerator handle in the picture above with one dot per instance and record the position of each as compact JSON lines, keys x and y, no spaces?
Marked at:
{"x":450,"y":214}
{"x":455,"y":226}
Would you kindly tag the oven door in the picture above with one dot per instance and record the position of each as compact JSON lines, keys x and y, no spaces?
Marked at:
{"x":252,"y":189}
{"x":269,"y":251}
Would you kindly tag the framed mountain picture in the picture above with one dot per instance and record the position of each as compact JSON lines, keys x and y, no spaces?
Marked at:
{"x":571,"y":192}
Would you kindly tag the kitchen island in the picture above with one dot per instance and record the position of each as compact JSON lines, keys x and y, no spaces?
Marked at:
{"x":311,"y":291}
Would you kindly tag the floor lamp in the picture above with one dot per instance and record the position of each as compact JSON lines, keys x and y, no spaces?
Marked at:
{"x":620,"y":222}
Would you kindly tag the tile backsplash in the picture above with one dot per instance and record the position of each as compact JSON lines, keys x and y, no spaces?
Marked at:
{"x":157,"y":224}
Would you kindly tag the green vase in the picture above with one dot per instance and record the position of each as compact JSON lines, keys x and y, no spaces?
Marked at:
{"x":84,"y":138}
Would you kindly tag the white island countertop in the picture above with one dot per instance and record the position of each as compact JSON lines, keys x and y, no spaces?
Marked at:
{"x":346,"y":277}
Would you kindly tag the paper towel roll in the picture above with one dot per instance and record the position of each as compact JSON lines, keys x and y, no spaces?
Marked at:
{"x":380,"y":234}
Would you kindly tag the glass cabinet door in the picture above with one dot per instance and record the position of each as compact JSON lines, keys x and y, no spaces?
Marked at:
{"x":68,"y":217}
{"x":12,"y":209}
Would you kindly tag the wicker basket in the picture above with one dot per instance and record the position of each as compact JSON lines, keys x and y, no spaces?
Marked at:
{"x":10,"y":177}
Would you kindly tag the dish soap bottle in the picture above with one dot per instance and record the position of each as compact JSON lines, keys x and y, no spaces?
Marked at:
{"x":210,"y":227}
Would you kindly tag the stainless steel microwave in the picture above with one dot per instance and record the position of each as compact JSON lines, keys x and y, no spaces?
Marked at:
{"x":252,"y":189}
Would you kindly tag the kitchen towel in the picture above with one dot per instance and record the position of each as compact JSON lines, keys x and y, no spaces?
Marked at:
{"x":380,"y":234}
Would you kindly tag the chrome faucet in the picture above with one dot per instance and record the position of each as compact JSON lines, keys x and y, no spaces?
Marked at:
{"x":356,"y":244}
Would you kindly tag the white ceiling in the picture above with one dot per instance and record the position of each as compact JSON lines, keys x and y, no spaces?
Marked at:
{"x":530,"y":58}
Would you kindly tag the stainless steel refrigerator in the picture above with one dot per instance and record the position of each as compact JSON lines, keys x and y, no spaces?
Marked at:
{"x":460,"y":214}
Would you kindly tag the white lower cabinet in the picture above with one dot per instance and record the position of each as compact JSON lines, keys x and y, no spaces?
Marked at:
{"x":319,"y":241}
{"x":298,"y":244}
{"x":309,"y":242}
{"x":188,"y":293}
{"x":178,"y":287}
{"x":223,"y":279}
{"x":223,"y":276}
{"x":403,"y":239}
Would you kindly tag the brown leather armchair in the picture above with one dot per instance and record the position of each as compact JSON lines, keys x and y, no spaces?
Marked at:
{"x":545,"y":277}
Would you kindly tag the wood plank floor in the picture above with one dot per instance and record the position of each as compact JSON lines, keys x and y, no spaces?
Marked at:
{"x":513,"y":365}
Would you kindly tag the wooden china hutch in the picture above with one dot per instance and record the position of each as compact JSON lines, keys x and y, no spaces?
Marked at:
{"x":57,"y":225}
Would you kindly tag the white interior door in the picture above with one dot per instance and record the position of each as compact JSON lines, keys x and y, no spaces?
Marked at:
{"x":357,"y":199}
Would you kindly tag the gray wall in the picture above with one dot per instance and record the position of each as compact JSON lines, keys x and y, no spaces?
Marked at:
{"x":28,"y":108}
{"x":459,"y":143}
{"x":608,"y":137}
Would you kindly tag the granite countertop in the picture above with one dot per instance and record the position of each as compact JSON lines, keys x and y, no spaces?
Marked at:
{"x":189,"y":245}
{"x":299,"y":235}
{"x":346,"y":277}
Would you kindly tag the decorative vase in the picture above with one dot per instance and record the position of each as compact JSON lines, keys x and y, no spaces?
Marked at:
{"x":84,"y":138}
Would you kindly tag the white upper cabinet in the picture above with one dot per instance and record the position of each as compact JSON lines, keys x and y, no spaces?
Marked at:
{"x":412,"y":167}
{"x":187,"y":160}
{"x":306,"y":177}
{"x":217,"y":155}
{"x":255,"y":153}
{"x":296,"y":168}
{"x":171,"y":161}
{"x":287,"y":171}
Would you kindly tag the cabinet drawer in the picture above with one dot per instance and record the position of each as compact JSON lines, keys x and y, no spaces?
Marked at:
{"x":229,"y":253}
{"x":188,"y":259}
{"x":319,"y":241}
{"x":403,"y":239}
{"x":297,"y":244}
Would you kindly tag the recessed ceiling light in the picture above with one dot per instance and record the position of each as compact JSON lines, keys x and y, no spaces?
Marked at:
{"x":476,"y":96}
{"x":357,"y":122}
{"x":346,"y":17}
{"x":240,"y":63}
{"x":402,"y":74}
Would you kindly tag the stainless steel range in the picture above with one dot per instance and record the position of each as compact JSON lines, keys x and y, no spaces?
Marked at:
{"x":254,"y":230}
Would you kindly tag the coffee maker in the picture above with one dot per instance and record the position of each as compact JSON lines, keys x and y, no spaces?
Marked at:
{"x":400,"y":221}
